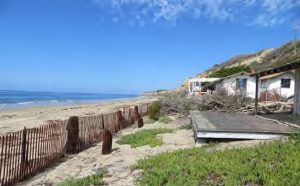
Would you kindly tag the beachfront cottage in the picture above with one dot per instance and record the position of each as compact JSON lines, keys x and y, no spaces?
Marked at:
{"x":202,"y":86}
{"x":276,"y":86}
{"x":271,"y":88}
{"x":284,"y":68}
{"x":242,"y":83}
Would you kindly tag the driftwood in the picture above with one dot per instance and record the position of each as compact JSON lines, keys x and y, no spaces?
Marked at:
{"x":267,"y":108}
{"x":180,"y":104}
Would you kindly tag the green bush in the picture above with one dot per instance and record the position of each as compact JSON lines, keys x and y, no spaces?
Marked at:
{"x":96,"y":179}
{"x":224,"y":72}
{"x":165,"y":119}
{"x":144,"y":137}
{"x":154,"y":110}
{"x":149,"y":121}
{"x":186,"y":127}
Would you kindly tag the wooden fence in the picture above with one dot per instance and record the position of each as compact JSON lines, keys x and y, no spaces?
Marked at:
{"x":27,"y":152}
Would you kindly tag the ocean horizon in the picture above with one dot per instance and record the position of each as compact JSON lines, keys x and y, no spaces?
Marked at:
{"x":23,"y":99}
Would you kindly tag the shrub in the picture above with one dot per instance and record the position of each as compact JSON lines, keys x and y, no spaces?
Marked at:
{"x":149,"y":121}
{"x":186,"y":127}
{"x":165,"y":119}
{"x":144,"y":137}
{"x":224,"y":72}
{"x":96,"y":179}
{"x":176,"y":102}
{"x":179,"y":103}
{"x":154,"y":110}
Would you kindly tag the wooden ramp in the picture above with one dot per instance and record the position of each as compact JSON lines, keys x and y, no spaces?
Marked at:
{"x":219,"y":125}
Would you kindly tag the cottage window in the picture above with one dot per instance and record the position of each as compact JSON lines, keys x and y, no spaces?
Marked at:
{"x":285,"y":83}
{"x":241,"y":83}
{"x":197,"y":84}
{"x":264,"y":83}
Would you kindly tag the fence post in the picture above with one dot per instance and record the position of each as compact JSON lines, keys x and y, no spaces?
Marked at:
{"x":23,"y":154}
{"x":121,"y":120}
{"x":136,"y":113}
{"x":107,"y":142}
{"x":140,"y":122}
{"x":73,"y":135}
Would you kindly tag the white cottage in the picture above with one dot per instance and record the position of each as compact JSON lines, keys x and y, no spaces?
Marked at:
{"x":241,"y":82}
{"x":277,"y":86}
{"x":200,"y":86}
{"x":271,"y":87}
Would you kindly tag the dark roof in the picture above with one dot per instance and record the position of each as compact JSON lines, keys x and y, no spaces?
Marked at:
{"x":287,"y":67}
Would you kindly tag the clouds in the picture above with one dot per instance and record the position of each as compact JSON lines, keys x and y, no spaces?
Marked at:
{"x":253,"y":12}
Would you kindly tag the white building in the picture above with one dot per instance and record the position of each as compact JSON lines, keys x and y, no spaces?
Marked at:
{"x":241,"y":82}
{"x":281,"y":84}
{"x":200,"y":86}
{"x":273,"y":86}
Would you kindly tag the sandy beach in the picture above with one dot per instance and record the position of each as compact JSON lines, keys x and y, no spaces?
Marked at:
{"x":15,"y":119}
{"x":119,"y":162}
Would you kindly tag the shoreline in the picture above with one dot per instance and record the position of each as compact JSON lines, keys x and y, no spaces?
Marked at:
{"x":49,"y":103}
{"x":12,"y":120}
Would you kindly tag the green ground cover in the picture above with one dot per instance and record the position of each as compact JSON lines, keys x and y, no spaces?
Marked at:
{"x":188,"y":126}
{"x":276,"y":163}
{"x":165,"y":119}
{"x":144,"y":137}
{"x":95,"y":180}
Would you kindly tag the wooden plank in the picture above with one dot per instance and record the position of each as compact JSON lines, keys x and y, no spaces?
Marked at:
{"x":1,"y":157}
{"x":42,"y":147}
{"x":50,"y":153}
{"x":19,"y":171}
{"x":38,"y":163}
{"x":10,"y":158}
{"x":10,"y":164}
{"x":48,"y":144}
{"x":13,"y":175}
{"x":296,"y":109}
{"x":36,"y":150}
{"x":6,"y":159}
{"x":30,"y":152}
{"x":18,"y":157}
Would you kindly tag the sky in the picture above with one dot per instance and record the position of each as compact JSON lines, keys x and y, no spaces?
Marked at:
{"x":131,"y":46}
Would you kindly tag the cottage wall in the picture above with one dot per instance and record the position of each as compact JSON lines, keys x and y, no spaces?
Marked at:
{"x":275,"y":84}
{"x":230,"y":85}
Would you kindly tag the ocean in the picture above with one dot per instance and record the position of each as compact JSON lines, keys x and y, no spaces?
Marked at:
{"x":21,"y":99}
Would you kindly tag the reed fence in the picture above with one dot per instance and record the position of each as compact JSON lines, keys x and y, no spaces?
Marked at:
{"x":29,"y":151}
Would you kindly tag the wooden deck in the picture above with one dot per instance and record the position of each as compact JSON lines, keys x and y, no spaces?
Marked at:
{"x":218,"y":125}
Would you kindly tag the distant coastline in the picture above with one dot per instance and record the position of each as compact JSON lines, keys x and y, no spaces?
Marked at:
{"x":11,"y":99}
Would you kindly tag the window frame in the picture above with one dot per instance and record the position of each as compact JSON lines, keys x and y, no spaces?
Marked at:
{"x":241,"y":84}
{"x":286,"y":84}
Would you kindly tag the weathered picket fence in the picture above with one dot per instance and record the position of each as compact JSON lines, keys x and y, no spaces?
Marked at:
{"x":27,"y":152}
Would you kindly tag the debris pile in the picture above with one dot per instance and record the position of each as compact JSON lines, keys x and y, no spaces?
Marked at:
{"x":179,"y":104}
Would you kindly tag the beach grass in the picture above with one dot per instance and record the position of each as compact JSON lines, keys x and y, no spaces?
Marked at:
{"x":144,"y":137}
{"x":95,"y":180}
{"x":275,"y":163}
